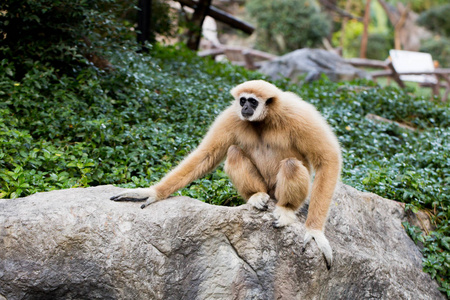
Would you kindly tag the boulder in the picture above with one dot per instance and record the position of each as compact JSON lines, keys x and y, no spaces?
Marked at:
{"x":77,"y":244}
{"x":311,"y":63}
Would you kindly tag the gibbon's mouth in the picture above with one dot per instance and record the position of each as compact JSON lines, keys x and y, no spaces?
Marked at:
{"x":249,"y":118}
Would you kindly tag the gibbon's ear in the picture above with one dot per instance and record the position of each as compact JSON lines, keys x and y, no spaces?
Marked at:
{"x":270,"y":100}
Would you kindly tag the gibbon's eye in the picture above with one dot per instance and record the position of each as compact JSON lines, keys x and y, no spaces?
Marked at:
{"x":242,"y":101}
{"x":253,"y":102}
{"x":270,"y":100}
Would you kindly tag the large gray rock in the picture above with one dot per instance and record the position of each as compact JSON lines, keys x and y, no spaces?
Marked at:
{"x":310,"y":64}
{"x":77,"y":244}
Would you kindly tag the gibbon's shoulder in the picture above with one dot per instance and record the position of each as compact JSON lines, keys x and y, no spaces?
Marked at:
{"x":302,"y":116}
{"x":291,"y":102}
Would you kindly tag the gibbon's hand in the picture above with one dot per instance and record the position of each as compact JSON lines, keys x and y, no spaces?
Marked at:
{"x":322,"y":242}
{"x":138,"y":194}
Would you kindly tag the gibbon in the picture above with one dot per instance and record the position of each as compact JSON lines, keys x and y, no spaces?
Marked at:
{"x":273,"y":141}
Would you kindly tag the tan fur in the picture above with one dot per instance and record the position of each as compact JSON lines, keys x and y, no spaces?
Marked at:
{"x":293,"y":182}
{"x":292,"y":129}
{"x":243,"y":173}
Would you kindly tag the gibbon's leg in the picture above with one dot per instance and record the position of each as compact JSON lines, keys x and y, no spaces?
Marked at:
{"x":246,"y":178}
{"x":293,"y":181}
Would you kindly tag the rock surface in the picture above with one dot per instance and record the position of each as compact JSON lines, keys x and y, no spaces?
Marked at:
{"x":312,"y":63}
{"x":77,"y":244}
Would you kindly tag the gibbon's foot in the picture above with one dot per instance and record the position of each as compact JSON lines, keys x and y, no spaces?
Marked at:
{"x":284,"y":216}
{"x":259,"y":200}
{"x":322,"y":242}
{"x":139,"y":194}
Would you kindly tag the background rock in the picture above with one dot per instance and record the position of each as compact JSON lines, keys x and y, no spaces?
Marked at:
{"x":312,"y":63}
{"x":77,"y":244}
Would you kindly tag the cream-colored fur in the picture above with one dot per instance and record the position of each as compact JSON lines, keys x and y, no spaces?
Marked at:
{"x":272,"y":152}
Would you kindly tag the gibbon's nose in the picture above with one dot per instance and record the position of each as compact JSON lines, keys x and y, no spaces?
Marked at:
{"x":247,"y":111}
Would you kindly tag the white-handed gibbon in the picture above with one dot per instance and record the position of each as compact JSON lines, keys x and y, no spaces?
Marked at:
{"x":273,"y":141}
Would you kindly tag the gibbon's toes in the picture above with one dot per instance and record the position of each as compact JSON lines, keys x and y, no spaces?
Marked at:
{"x":284,"y":216}
{"x":322,"y":243}
{"x":259,"y":201}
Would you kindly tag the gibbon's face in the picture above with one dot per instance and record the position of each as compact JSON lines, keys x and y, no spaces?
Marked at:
{"x":253,"y":99}
{"x":252,"y":107}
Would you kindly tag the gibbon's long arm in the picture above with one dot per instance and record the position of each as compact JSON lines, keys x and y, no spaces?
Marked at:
{"x":208,"y":155}
{"x":326,"y":178}
{"x":323,"y":188}
{"x":323,"y":152}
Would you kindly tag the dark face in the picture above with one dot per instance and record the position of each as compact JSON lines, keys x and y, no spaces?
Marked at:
{"x":248,"y":105}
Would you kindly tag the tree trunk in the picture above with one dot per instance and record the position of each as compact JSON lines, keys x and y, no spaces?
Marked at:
{"x":195,"y":30}
{"x":145,"y":33}
{"x":398,"y":27}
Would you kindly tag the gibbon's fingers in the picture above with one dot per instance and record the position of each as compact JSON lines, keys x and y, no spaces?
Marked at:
{"x":138,"y":194}
{"x":322,"y":243}
{"x":284,"y":216}
{"x":259,"y":200}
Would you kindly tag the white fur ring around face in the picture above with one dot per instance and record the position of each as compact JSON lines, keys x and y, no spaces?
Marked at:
{"x":322,"y":243}
{"x":137,"y":195}
{"x":259,"y":200}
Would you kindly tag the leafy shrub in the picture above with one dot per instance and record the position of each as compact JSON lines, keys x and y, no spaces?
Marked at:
{"x":162,"y":20}
{"x":436,"y":19}
{"x":59,"y":33}
{"x":378,"y":46}
{"x":351,"y":39}
{"x":284,"y":26}
{"x":68,"y":35}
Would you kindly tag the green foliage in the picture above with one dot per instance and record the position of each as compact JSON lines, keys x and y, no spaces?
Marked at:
{"x":378,"y":45}
{"x":436,"y":249}
{"x":58,"y":33}
{"x":436,"y":19}
{"x":439,"y":48}
{"x":419,"y":5}
{"x":351,"y":39}
{"x":287,"y":25}
{"x":161,"y":22}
